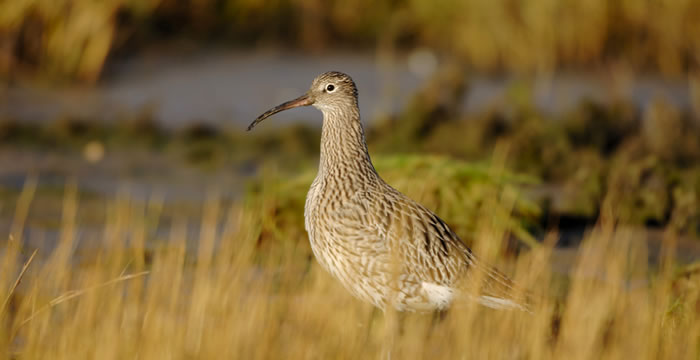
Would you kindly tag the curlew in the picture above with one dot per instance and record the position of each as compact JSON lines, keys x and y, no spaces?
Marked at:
{"x":381,"y":245}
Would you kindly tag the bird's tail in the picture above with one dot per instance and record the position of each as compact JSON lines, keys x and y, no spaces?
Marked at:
{"x":498,"y":291}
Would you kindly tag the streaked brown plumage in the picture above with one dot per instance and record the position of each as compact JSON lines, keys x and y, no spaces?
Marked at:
{"x":383,"y":247}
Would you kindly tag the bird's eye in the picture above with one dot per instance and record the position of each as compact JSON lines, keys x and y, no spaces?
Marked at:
{"x":330,"y":88}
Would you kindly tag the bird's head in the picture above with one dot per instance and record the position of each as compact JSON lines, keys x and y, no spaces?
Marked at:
{"x":329,"y":92}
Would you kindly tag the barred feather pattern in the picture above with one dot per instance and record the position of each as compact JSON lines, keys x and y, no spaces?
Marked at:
{"x":382,"y":246}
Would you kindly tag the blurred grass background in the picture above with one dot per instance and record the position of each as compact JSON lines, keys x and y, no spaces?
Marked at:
{"x":71,"y":40}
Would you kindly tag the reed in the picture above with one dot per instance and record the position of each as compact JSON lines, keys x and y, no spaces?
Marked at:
{"x":224,"y":294}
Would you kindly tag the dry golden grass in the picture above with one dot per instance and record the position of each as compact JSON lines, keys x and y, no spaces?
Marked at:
{"x":227,"y":297}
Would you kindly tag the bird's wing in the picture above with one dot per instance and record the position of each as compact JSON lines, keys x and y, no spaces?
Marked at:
{"x":433,"y":252}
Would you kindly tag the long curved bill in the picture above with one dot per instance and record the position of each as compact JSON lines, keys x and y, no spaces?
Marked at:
{"x":303,"y":100}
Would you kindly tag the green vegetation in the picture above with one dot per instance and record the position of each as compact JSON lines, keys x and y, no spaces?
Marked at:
{"x":458,"y":191}
{"x":647,"y":159}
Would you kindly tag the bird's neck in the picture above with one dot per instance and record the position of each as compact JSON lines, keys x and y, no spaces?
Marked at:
{"x":343,"y":145}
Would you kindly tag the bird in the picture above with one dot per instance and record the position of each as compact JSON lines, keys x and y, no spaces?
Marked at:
{"x":382,"y":246}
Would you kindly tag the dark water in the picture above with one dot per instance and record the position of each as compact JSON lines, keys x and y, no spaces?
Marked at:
{"x":231,"y":88}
